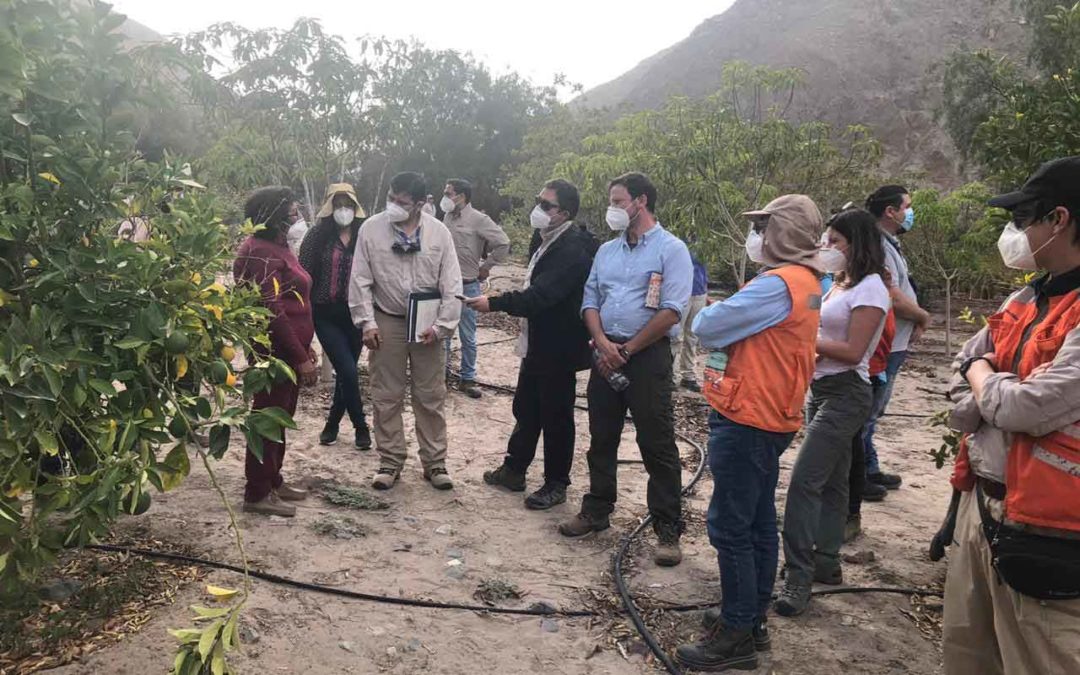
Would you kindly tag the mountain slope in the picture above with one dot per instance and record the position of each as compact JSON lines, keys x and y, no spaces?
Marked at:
{"x":866,"y":62}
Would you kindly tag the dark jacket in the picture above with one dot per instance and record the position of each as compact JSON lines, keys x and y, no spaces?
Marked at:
{"x":316,"y":255}
{"x":552,"y":303}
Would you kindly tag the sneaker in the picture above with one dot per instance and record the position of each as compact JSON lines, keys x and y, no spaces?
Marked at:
{"x":794,"y":599}
{"x":506,"y":477}
{"x":889,"y":481}
{"x":583,"y":524}
{"x":289,"y":493}
{"x":549,"y":495}
{"x":668,"y":553}
{"x":328,"y":436}
{"x":270,"y":505}
{"x":439,"y":478}
{"x":468,"y":387}
{"x":691,"y":385}
{"x":721,"y":649}
{"x":853,"y":528}
{"x":830,"y":576}
{"x":872,"y":492}
{"x":363,"y":438}
{"x":385,"y":478}
{"x":762,"y":640}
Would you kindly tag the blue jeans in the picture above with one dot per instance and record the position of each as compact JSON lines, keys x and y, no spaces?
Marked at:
{"x":882,"y":394}
{"x":467,"y":333}
{"x":745,"y":464}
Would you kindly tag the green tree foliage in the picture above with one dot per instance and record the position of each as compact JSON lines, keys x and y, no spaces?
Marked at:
{"x":111,"y":352}
{"x":712,"y":159}
{"x":1010,"y":118}
{"x":303,"y":107}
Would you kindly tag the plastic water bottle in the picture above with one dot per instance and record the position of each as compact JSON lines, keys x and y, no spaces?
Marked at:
{"x":616,"y":378}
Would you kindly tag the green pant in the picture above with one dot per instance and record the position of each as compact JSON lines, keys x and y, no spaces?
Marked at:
{"x":817,"y":498}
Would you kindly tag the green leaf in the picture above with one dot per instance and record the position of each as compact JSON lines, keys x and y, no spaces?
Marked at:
{"x":25,"y":119}
{"x":102,"y":387}
{"x":47,"y":441}
{"x":280,"y":416}
{"x":129,"y":343}
{"x":217,"y":662}
{"x":175,"y":468}
{"x":209,"y":636}
{"x":53,"y":378}
{"x":204,"y":409}
{"x":265,"y":426}
{"x":219,"y":441}
{"x":210,"y":612}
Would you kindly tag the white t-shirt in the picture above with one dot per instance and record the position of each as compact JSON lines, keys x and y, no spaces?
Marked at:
{"x":897,"y":266}
{"x":836,"y":309}
{"x":295,"y":236}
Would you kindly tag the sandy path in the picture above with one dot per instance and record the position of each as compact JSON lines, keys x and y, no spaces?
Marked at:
{"x":496,"y":537}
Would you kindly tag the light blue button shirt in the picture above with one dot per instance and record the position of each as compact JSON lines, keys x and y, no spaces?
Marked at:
{"x":619,"y":281}
{"x":760,"y":305}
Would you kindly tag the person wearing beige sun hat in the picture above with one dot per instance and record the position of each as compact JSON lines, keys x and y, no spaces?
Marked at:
{"x":326,"y":254}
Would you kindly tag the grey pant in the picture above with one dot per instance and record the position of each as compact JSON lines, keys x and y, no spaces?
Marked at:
{"x":684,"y":347}
{"x":817,"y":498}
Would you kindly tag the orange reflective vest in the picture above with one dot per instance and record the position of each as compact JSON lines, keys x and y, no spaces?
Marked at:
{"x":1041,"y":476}
{"x":767,"y":375}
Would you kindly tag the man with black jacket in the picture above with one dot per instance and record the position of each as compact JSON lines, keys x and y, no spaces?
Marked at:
{"x":553,"y":346}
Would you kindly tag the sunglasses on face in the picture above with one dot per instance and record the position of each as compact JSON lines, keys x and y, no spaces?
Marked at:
{"x":545,"y":205}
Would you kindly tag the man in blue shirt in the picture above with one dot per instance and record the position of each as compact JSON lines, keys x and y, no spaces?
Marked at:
{"x":635,"y":297}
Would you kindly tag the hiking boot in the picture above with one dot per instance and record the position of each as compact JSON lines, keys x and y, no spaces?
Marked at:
{"x":270,"y":505}
{"x":549,"y":495}
{"x":889,"y":481}
{"x":385,"y":478}
{"x":872,"y":492}
{"x":506,"y":477}
{"x":468,"y":387}
{"x":722,"y":648}
{"x":668,"y":553}
{"x":691,"y":385}
{"x":328,"y":436}
{"x":762,"y":640}
{"x":363,"y":438}
{"x":439,"y":478}
{"x":830,"y":576}
{"x":289,"y":493}
{"x":583,"y":524}
{"x":794,"y":599}
{"x":853,"y":528}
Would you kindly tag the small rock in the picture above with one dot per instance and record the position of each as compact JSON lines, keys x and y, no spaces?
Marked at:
{"x":444,"y":530}
{"x":348,"y":646}
{"x":412,"y":645}
{"x":456,"y":572}
{"x":549,"y":625}
{"x":59,"y":591}
{"x":847,"y":620}
{"x":455,"y":553}
{"x":411,"y":520}
{"x":859,"y":557}
{"x":376,"y":631}
{"x":493,"y":561}
{"x":391,"y":652}
{"x":454,"y":562}
{"x":248,"y":634}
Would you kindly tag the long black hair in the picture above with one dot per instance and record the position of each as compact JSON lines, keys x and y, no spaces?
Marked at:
{"x":865,"y":254}
{"x":270,"y":206}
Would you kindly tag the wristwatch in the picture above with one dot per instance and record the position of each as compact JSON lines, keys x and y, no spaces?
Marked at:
{"x":624,"y":352}
{"x":966,"y":365}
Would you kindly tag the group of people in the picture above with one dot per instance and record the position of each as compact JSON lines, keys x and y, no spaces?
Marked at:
{"x":784,"y":352}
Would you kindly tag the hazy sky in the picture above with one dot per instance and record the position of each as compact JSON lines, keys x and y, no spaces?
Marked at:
{"x":588,"y":41}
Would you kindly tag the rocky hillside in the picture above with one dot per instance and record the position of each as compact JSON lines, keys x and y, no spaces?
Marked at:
{"x":866,"y":62}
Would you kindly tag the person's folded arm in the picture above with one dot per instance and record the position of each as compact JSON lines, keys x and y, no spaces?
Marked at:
{"x":759,"y":305}
{"x":546,"y":290}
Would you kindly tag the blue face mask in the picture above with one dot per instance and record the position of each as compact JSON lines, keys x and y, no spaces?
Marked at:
{"x":909,"y":220}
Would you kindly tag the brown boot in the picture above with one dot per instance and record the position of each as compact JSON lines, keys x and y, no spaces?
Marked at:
{"x":289,"y":493}
{"x":668,"y":553}
{"x":270,"y":505}
{"x":583,"y":524}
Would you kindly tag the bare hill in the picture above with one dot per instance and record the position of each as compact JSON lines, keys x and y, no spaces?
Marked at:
{"x":866,"y":62}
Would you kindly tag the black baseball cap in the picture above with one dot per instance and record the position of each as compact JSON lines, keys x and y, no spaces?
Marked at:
{"x":1055,"y":181}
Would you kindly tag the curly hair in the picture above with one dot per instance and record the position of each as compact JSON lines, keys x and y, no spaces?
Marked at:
{"x":270,"y":206}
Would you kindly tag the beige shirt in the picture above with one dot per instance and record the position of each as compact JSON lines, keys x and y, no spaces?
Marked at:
{"x":383,"y":278}
{"x":480,"y":243}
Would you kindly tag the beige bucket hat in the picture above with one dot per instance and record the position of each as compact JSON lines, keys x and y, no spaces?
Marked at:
{"x":333,"y":190}
{"x":793,"y":232}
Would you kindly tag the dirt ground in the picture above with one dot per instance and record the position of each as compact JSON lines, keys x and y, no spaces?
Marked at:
{"x":410,"y":551}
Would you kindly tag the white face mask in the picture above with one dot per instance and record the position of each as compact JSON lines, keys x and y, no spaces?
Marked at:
{"x":343,"y":216}
{"x":446,"y":204}
{"x":755,"y":247}
{"x":395,"y":213}
{"x":617,"y":219}
{"x":539,"y":219}
{"x":832,"y":260}
{"x":1015,"y":248}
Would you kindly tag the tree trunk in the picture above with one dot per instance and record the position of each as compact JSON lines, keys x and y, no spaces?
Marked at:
{"x":948,"y":316}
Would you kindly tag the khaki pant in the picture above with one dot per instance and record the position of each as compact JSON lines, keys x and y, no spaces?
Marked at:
{"x":684,"y":347}
{"x":990,"y":628}
{"x":389,"y":365}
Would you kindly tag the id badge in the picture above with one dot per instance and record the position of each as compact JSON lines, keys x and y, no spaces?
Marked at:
{"x":652,"y":296}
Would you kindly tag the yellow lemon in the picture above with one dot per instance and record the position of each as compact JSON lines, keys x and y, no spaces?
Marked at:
{"x":228,"y":353}
{"x":230,"y":381}
{"x":34,"y":262}
{"x":196,"y":278}
{"x":181,"y":366}
{"x":147,"y":414}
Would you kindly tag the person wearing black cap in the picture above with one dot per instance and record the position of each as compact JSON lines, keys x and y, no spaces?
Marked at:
{"x":1012,"y":593}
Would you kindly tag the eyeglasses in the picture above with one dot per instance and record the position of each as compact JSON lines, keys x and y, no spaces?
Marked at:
{"x":545,"y":205}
